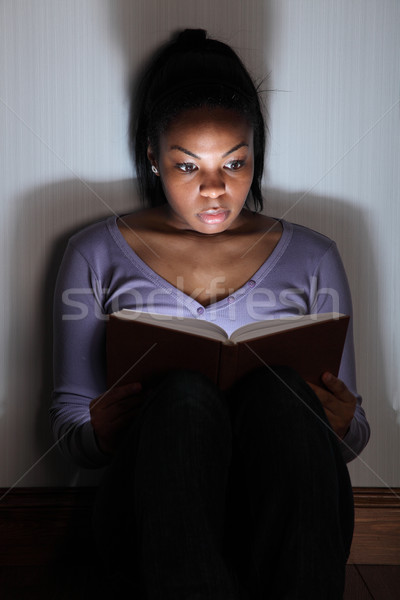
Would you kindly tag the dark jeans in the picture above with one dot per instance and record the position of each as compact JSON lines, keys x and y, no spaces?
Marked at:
{"x":227,"y":496}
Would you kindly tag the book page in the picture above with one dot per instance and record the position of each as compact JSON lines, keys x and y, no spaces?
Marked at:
{"x":185,"y":324}
{"x":257,"y":329}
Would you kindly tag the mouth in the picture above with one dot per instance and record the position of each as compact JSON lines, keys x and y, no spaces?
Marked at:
{"x":213,"y":215}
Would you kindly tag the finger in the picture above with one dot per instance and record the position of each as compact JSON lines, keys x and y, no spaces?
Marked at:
{"x":114,"y":411}
{"x":316,"y":389}
{"x":125,"y":390}
{"x":323,"y":395}
{"x":110,"y":410}
{"x":122,"y":420}
{"x":117,"y":394}
{"x":329,"y":413}
{"x":327,"y":401}
{"x":337,"y":387}
{"x":124,"y":403}
{"x":115,"y":420}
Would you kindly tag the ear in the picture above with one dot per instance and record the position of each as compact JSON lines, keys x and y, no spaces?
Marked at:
{"x":151,"y":157}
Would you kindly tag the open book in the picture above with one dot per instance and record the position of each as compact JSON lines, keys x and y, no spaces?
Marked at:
{"x":144,"y":346}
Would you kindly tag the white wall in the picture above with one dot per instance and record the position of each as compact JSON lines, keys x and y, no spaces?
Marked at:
{"x":332,"y":164}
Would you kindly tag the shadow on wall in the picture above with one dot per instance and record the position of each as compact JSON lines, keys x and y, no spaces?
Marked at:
{"x":139,"y":28}
{"x":55,"y":209}
{"x":347,"y":225}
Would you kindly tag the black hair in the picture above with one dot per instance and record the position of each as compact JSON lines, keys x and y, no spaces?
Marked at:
{"x":190,"y":71}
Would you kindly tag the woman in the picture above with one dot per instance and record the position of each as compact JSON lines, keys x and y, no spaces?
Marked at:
{"x":207,"y":495}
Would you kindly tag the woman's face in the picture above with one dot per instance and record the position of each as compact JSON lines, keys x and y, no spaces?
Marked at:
{"x":206,"y":165}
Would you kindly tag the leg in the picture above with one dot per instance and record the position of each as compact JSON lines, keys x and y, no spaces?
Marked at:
{"x":291,"y":484}
{"x":181,"y":477}
{"x":171,"y":476}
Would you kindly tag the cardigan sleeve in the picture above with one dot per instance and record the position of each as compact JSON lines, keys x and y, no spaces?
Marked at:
{"x":79,"y":358}
{"x":332,"y":294}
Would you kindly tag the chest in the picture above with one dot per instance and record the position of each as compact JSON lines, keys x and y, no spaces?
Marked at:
{"x":207,"y":272}
{"x":207,"y":268}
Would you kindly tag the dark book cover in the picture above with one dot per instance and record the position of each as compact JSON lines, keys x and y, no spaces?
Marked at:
{"x":143,"y":352}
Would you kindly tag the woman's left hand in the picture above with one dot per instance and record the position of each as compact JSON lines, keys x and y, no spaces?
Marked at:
{"x":338,"y":402}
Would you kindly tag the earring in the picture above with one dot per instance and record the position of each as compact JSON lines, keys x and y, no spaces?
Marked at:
{"x":154,"y":169}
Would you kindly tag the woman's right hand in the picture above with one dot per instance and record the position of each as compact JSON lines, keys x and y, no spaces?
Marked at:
{"x":112,"y":413}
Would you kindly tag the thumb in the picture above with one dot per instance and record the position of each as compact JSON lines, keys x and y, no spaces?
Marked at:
{"x":334,"y":384}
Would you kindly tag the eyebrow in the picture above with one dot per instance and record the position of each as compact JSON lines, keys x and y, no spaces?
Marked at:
{"x":174,"y":147}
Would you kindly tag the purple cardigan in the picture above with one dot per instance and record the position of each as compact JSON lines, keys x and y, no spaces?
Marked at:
{"x":101,"y":274}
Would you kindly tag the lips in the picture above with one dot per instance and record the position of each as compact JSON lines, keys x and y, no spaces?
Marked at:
{"x":213,"y":215}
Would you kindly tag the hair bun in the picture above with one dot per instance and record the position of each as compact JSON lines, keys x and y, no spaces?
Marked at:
{"x":192,"y":38}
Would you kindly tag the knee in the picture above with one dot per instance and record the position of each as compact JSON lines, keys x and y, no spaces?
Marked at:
{"x":185,"y":386}
{"x":187,"y":406}
{"x":273,"y":383}
{"x":272,"y":376}
{"x":183,"y":381}
{"x":188,"y":391}
{"x":276,"y":391}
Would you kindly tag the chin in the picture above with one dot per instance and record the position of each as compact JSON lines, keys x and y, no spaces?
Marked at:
{"x":211,"y":229}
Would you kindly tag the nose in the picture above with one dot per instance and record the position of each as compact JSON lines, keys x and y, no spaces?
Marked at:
{"x":212,"y":186}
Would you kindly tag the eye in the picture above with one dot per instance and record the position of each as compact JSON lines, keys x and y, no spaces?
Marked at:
{"x":186,"y":167}
{"x":235,"y":165}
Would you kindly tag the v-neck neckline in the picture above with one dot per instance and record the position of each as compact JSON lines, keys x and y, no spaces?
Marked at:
{"x":249,"y":285}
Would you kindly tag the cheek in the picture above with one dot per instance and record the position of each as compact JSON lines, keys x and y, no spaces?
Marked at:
{"x":176,"y":190}
{"x":243,"y":181}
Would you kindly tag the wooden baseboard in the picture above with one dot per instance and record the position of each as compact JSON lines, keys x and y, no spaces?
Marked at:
{"x":376,"y":538}
{"x":44,"y":526}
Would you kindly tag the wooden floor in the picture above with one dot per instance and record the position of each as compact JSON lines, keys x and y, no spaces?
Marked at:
{"x":372,"y":582}
{"x":46,"y":526}
{"x":363,"y":582}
